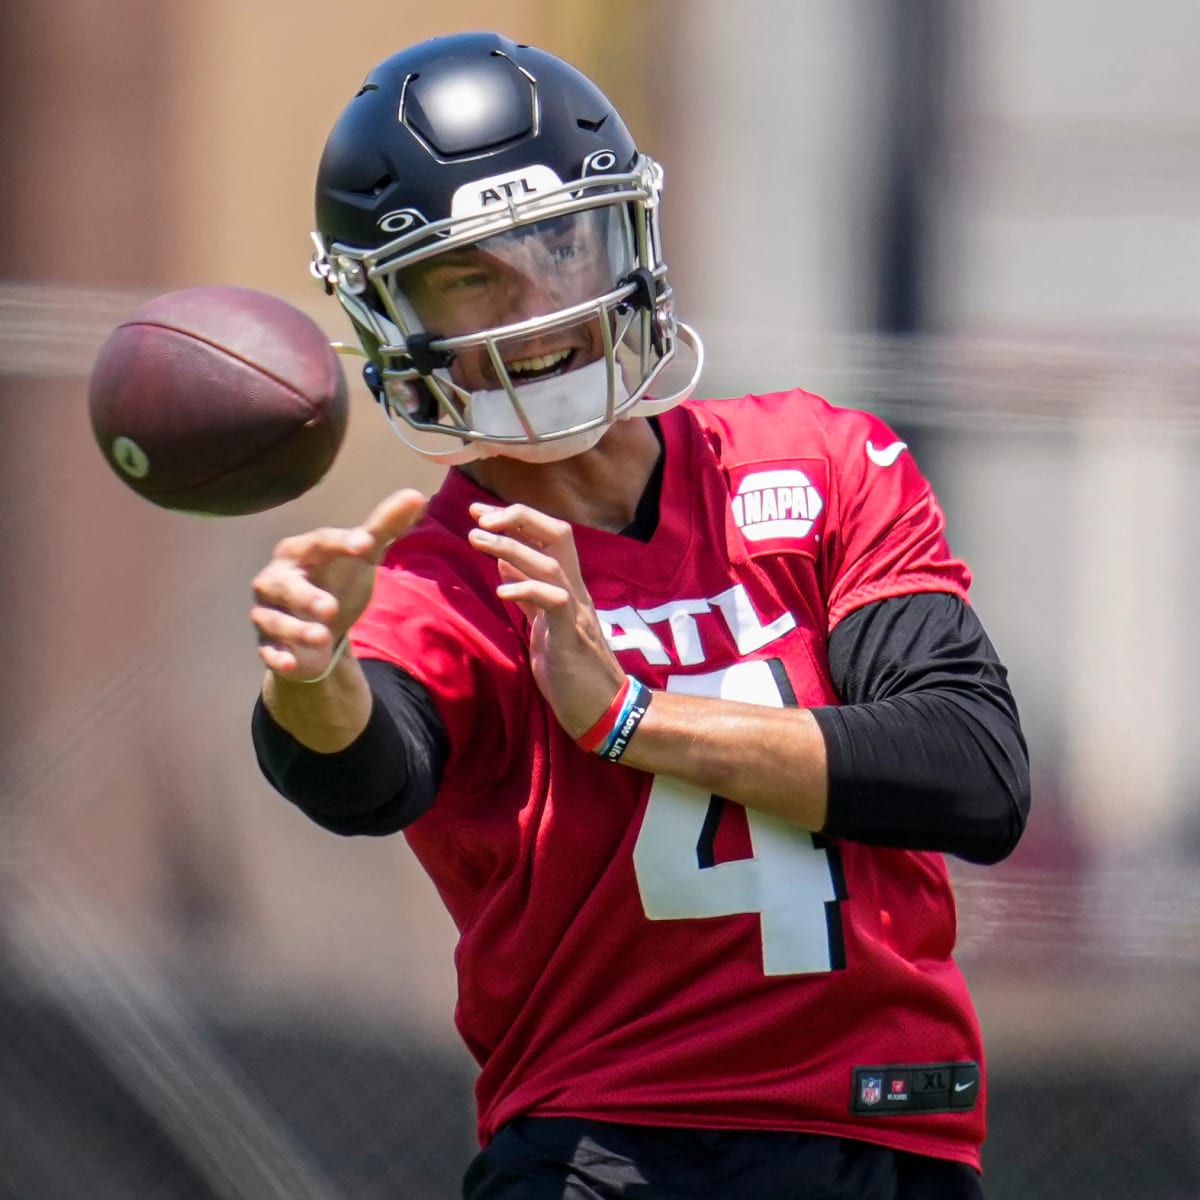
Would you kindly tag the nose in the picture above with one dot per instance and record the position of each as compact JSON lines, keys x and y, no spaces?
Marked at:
{"x":531,"y":293}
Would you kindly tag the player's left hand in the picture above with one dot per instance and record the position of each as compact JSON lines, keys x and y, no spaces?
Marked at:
{"x":539,"y":571}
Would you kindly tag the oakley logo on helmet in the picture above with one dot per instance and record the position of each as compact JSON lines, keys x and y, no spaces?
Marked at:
{"x":483,"y":195}
{"x":400,"y":220}
{"x":598,"y":163}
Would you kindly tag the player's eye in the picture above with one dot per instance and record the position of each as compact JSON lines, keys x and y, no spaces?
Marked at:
{"x":464,"y":281}
{"x":568,"y":252}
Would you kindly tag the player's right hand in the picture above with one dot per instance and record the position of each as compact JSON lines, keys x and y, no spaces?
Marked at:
{"x":317,"y":585}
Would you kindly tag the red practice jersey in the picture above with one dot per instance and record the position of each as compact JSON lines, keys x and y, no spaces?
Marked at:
{"x":631,"y":948}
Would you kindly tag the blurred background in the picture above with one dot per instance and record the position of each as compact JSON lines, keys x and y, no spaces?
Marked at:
{"x":980,"y":219}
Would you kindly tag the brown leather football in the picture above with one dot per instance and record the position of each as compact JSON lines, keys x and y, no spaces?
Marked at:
{"x":218,"y":400}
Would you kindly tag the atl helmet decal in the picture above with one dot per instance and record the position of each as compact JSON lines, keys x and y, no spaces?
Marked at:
{"x":495,"y":191}
{"x":781,"y":503}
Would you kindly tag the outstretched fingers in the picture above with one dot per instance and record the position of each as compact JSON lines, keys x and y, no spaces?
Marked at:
{"x":530,"y":526}
{"x":321,"y":545}
{"x":318,"y":583}
{"x":286,"y":585}
{"x":539,"y":570}
{"x":526,"y":591}
{"x":536,"y":553}
{"x":392,"y":518}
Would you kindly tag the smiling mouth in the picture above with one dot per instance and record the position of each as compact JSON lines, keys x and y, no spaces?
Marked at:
{"x":541,"y":366}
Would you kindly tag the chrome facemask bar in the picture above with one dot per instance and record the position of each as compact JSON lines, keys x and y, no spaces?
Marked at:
{"x":354,"y":274}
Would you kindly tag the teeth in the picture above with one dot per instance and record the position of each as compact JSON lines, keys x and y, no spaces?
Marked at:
{"x":542,"y":363}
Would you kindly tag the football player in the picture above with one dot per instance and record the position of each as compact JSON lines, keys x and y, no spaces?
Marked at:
{"x":679,"y":702}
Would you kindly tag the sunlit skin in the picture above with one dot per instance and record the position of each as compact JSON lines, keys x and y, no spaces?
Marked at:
{"x":317,"y":584}
{"x":509,"y":279}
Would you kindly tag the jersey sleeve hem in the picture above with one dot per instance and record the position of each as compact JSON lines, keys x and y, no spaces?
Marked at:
{"x":890,"y":589}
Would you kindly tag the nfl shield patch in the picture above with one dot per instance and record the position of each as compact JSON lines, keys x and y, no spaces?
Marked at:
{"x":915,"y":1089}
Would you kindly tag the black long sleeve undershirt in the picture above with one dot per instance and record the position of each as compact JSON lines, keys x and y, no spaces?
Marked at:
{"x":384,"y":780}
{"x":926,"y":752}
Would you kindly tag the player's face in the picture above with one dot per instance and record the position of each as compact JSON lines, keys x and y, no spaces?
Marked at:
{"x":530,"y":272}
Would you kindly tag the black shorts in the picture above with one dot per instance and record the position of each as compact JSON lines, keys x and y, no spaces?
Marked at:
{"x":566,"y":1158}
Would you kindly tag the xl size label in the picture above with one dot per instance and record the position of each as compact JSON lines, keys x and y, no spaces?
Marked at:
{"x":915,"y":1088}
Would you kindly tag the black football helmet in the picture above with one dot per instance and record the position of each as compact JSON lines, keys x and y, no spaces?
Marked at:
{"x":488,"y":224}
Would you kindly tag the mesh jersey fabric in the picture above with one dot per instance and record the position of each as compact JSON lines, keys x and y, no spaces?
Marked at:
{"x":603,"y":972}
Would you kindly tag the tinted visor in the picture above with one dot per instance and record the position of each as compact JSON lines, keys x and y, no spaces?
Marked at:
{"x":530,"y":271}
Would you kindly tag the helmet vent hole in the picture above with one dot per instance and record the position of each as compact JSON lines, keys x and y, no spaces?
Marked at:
{"x":366,"y":87}
{"x":375,"y":189}
{"x":591,"y":126}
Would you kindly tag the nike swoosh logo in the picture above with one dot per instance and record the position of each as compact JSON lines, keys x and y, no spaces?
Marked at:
{"x":886,"y":456}
{"x":962,"y":1087}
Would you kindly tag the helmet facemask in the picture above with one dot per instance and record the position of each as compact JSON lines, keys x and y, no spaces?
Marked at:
{"x":521,"y":325}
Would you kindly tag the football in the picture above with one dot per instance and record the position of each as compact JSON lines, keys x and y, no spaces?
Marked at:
{"x":218,"y":400}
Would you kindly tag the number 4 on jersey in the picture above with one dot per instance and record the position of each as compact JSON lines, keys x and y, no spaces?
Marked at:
{"x":790,"y":881}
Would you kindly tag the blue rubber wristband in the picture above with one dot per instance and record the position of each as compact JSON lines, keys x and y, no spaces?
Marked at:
{"x":628,"y":719}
